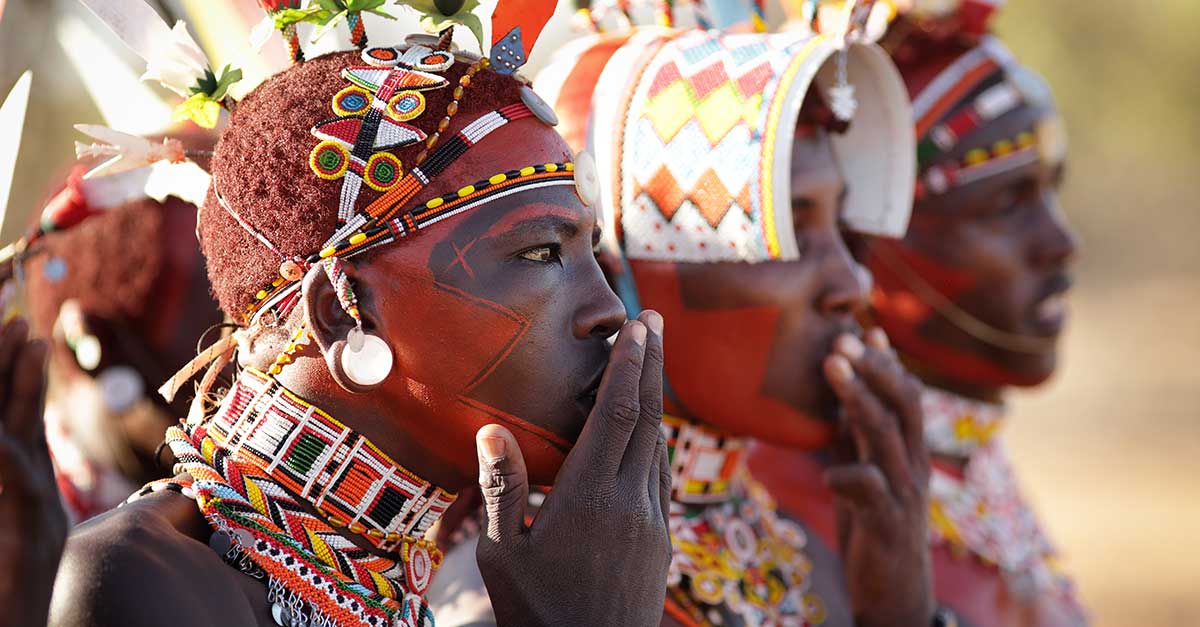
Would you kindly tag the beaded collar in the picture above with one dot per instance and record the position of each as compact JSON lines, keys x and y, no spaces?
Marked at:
{"x":735,"y":561}
{"x":956,"y":426}
{"x":981,"y":511}
{"x":703,"y":461}
{"x":346,"y":478}
{"x":264,"y":438}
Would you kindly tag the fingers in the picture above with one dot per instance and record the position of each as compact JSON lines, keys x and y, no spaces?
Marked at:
{"x":601,"y":445}
{"x":878,"y":339}
{"x":503,"y":481}
{"x":639,"y":456}
{"x":895,"y":386}
{"x":861,"y":489}
{"x":26,"y":396}
{"x":12,"y":338}
{"x":658,"y":479}
{"x":653,"y":485}
{"x":664,"y":480}
{"x":16,"y":470}
{"x":876,"y":431}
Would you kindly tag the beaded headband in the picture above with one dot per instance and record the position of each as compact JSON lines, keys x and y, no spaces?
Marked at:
{"x":979,"y":86}
{"x":694,"y":159}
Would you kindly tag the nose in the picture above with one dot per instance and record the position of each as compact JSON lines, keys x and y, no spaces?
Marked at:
{"x":601,"y":313}
{"x":846,"y":283}
{"x":1054,"y":243}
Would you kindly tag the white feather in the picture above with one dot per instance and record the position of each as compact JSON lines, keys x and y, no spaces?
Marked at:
{"x":128,"y":152}
{"x":12,"y":122}
{"x":172,"y":56}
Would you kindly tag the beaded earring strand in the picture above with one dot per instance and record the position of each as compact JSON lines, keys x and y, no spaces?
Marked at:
{"x":366,"y":359}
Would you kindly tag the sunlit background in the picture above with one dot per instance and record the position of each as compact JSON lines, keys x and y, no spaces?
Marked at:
{"x":1109,"y":451}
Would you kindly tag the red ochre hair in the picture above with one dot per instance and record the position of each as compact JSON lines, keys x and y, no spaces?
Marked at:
{"x":261,"y":168}
{"x":112,"y":265}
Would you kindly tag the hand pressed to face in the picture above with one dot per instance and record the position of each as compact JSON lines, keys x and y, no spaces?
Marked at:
{"x":881,"y":491}
{"x":598,"y":551}
{"x":33,"y":526}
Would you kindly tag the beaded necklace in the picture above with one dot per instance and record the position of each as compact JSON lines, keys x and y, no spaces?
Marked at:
{"x":981,"y":510}
{"x":263,"y":447}
{"x":735,"y":561}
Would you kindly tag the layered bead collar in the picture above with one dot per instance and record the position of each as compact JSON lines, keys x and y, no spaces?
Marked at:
{"x":956,"y":426}
{"x":265,"y":461}
{"x":980,"y":510}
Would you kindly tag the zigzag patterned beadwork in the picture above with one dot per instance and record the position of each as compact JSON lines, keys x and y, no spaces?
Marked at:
{"x":326,"y":463}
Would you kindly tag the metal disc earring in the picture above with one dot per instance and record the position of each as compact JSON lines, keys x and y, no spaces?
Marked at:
{"x":366,"y":359}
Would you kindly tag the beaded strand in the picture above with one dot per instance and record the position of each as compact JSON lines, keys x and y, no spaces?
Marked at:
{"x":431,"y":211}
{"x":299,"y":340}
{"x":464,"y":81}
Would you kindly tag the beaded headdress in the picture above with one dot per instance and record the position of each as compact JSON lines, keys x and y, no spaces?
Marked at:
{"x":694,"y":160}
{"x":403,"y":114}
{"x":981,"y":85}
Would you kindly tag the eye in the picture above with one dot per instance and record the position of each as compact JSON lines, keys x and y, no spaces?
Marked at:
{"x":1012,"y":200}
{"x":541,"y":254}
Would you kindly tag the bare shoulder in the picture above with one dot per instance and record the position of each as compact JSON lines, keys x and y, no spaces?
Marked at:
{"x":138,"y":566}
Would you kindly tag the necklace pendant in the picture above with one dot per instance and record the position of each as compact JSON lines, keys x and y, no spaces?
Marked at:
{"x":281,"y":614}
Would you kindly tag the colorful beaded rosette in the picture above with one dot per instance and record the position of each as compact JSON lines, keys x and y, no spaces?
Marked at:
{"x":735,"y":561}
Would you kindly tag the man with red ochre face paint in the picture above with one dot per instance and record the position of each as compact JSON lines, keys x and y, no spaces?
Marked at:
{"x":117,"y":317}
{"x":400,"y":236}
{"x":733,"y":163}
{"x":972,"y":301}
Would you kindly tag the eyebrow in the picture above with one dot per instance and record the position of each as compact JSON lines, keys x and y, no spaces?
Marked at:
{"x":563,"y":226}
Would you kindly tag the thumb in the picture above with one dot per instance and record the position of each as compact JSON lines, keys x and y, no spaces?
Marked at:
{"x":503,"y":481}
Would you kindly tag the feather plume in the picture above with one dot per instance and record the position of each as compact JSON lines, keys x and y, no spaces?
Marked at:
{"x":124,"y":151}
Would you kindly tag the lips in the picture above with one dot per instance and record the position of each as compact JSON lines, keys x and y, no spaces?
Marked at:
{"x":1049,"y":312}
{"x":587,"y":399}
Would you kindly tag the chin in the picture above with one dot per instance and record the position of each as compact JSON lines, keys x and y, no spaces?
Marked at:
{"x":1026,"y":370}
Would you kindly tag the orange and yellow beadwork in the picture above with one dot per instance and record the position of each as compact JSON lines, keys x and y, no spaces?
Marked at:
{"x":733,"y":558}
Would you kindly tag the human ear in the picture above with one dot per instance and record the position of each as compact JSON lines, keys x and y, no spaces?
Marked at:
{"x":358,"y":359}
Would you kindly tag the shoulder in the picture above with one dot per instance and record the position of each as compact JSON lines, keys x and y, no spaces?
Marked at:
{"x":136,"y":566}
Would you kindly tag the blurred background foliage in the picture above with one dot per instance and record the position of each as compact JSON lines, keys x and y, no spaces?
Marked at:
{"x":1110,"y":450}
